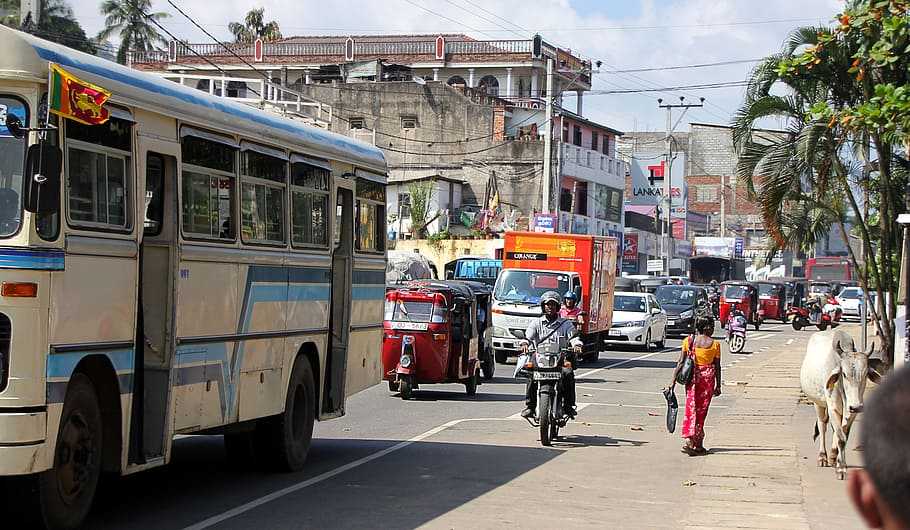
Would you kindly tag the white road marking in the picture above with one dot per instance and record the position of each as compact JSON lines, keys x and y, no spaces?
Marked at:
{"x":762,"y":337}
{"x":789,"y":342}
{"x":618,"y":390}
{"x":243,"y":508}
{"x":621,"y":405}
{"x":620,"y":363}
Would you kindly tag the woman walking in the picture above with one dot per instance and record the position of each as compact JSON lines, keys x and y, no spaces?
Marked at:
{"x":704,"y":385}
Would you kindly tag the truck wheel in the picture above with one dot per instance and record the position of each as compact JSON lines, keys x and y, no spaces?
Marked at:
{"x":65,"y":493}
{"x":488,"y":368}
{"x":284,"y":440}
{"x":501,"y":356}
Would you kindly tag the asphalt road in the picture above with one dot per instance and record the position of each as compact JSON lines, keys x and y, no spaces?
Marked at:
{"x":445,"y":460}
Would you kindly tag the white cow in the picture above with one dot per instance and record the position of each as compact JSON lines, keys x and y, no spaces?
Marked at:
{"x":833,"y":377}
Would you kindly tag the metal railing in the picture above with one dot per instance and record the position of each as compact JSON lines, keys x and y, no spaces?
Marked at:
{"x":364,"y":48}
{"x":260,"y":93}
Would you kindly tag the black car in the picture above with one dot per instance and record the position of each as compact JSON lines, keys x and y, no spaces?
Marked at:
{"x":683,"y":304}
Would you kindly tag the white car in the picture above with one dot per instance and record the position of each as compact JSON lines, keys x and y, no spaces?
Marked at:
{"x":850,"y":300}
{"x":638,"y":320}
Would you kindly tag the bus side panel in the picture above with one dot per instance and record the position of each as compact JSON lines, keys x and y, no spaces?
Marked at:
{"x":209,"y":305}
{"x":364,"y":366}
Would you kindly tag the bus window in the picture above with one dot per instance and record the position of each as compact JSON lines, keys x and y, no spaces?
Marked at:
{"x":370,"y":216}
{"x":98,"y":169}
{"x":12,"y":157}
{"x":262,"y":198}
{"x":309,"y":204}
{"x":154,"y":194}
{"x":208,"y":188}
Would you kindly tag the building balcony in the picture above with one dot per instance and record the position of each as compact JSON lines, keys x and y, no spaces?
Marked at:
{"x":593,"y":166}
{"x":259,"y":93}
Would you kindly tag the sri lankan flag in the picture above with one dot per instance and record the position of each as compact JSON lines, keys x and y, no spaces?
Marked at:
{"x":76,"y":99}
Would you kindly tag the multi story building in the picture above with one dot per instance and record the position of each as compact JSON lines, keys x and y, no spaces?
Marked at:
{"x":444,"y":108}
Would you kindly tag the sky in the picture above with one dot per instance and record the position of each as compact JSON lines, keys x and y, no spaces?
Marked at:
{"x":623,"y":34}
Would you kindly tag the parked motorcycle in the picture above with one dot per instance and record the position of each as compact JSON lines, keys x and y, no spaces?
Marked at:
{"x":736,"y":330}
{"x":549,"y":365}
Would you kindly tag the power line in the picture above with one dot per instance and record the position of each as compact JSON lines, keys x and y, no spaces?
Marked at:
{"x":440,"y":15}
{"x":685,"y":67}
{"x":704,"y":86}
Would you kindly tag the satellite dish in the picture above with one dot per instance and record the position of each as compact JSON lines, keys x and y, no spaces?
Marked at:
{"x":419,"y":80}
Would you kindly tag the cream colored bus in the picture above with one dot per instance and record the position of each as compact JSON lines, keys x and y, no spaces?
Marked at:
{"x":194,"y":265}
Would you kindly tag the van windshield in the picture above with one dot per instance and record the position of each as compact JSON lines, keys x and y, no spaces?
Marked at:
{"x":12,"y":161}
{"x":516,"y":285}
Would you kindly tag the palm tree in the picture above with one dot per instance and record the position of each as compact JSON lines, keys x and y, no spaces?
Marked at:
{"x":254,"y":27}
{"x":808,"y":177}
{"x":132,"y":21}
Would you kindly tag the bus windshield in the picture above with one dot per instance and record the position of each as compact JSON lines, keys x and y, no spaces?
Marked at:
{"x":12,"y":161}
{"x":515,"y":285}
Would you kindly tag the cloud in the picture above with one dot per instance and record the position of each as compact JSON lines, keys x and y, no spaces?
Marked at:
{"x":568,"y":23}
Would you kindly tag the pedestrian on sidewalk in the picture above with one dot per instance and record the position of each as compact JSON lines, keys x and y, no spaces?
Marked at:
{"x":705,"y":383}
{"x":881,"y":491}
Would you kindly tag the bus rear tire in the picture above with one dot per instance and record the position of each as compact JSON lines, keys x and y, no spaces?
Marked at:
{"x":285,"y":439}
{"x":65,"y":492}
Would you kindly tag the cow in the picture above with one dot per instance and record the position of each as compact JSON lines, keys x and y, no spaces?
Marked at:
{"x":833,"y":377}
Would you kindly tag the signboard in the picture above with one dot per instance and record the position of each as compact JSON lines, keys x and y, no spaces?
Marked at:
{"x":545,"y":222}
{"x":630,"y":247}
{"x":738,"y":247}
{"x":719,"y":247}
{"x":648,"y":174}
{"x":526,"y":256}
{"x":655,"y":265}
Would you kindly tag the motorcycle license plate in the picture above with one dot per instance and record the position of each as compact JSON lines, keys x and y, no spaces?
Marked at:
{"x":545,"y":376}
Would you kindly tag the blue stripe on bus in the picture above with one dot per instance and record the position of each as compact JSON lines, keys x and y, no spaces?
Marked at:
{"x":61,"y":365}
{"x":31,"y":259}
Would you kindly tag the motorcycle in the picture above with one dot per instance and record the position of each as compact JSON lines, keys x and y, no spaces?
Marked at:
{"x":736,"y":331}
{"x":813,"y":314}
{"x":548,"y":365}
{"x":714,"y":301}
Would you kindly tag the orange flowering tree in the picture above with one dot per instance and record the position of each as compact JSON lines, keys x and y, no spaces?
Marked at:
{"x":844,"y":93}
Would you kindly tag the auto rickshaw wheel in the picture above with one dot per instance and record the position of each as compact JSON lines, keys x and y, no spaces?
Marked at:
{"x":405,"y":388}
{"x":470,"y":384}
{"x":393,"y":386}
{"x":797,"y":325}
{"x":822,"y":326}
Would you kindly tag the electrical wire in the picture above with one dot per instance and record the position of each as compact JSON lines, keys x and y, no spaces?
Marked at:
{"x":686,"y":67}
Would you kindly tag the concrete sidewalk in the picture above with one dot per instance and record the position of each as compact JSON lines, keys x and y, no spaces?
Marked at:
{"x":761,"y":471}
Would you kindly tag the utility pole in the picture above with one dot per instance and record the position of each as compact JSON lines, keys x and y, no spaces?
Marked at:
{"x":668,"y":167}
{"x":548,"y":142}
{"x":723,"y":207}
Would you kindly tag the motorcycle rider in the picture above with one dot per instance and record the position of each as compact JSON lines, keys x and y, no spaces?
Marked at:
{"x":550,"y":327}
{"x":570,"y":308}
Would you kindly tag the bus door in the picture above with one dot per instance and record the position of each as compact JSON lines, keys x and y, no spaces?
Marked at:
{"x":340,"y":308}
{"x":155,"y":313}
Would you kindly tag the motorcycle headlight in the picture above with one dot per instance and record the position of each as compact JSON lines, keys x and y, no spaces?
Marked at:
{"x":406,"y":361}
{"x":546,"y":361}
{"x":686,"y":314}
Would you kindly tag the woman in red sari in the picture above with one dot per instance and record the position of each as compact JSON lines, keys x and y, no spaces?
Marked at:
{"x":705,"y":384}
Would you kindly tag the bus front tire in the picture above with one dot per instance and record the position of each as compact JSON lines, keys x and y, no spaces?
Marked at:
{"x":285,"y":439}
{"x":66,"y":491}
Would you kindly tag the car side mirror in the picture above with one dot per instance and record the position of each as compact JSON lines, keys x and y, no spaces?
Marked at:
{"x":655,"y":311}
{"x":518,"y":333}
{"x":41,"y":189}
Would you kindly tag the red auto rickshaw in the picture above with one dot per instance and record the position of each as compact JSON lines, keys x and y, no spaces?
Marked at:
{"x":744,"y":295}
{"x":430,"y":336}
{"x":772,"y":300}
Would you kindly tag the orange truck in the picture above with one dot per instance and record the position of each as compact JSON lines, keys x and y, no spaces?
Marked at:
{"x":534,"y":263}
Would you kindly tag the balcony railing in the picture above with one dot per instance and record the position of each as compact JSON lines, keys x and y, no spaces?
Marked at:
{"x":362,"y":49}
{"x":260,"y":93}
{"x":596,"y":160}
